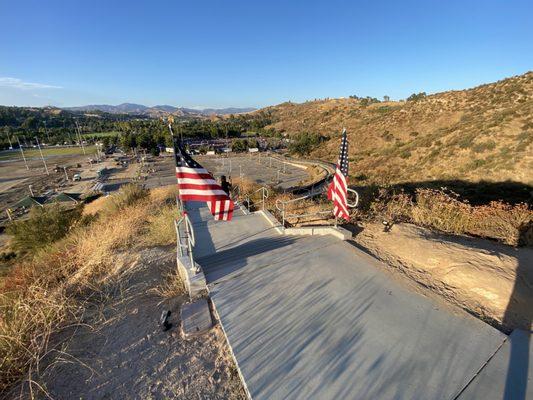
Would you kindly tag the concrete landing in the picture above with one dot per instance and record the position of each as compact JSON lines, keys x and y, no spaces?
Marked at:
{"x":312,"y":317}
{"x":508,"y":375}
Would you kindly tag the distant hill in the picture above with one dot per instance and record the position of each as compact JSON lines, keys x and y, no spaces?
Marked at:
{"x":160,"y":110}
{"x":484,"y":133}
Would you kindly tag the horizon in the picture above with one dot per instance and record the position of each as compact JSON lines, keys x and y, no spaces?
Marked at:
{"x":242,"y":55}
{"x":202,"y":108}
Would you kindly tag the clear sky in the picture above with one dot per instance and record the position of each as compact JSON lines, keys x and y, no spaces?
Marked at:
{"x":222,"y":53}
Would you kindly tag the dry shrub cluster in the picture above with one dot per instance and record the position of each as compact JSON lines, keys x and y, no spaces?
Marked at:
{"x":48,"y":288}
{"x":445,"y":211}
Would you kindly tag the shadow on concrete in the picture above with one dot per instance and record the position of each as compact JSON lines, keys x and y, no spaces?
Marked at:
{"x":201,"y":231}
{"x":517,"y":373}
{"x":229,"y":261}
{"x":334,"y":330}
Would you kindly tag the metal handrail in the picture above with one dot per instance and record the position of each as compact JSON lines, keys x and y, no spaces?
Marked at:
{"x":284,"y":204}
{"x":264,"y":194}
{"x":356,"y":198}
{"x":189,"y":238}
{"x":281,"y":205}
{"x":179,"y":246}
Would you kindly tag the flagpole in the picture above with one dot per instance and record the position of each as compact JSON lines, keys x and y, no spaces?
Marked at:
{"x":170,"y":120}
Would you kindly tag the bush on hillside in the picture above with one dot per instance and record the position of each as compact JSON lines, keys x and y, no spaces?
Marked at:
{"x":304,"y":143}
{"x":44,"y":226}
{"x":239,"y":145}
{"x":416,"y":96}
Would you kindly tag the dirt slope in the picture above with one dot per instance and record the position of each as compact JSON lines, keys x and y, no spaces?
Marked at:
{"x":480,"y":133}
{"x":120,"y":352}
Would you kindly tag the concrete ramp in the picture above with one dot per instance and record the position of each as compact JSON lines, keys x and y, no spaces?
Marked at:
{"x":315,"y":318}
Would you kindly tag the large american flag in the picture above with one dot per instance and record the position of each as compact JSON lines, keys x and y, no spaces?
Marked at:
{"x":338,"y":188}
{"x":195,"y":183}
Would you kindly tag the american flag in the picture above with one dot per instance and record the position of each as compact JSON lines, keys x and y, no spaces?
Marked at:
{"x":338,"y":188}
{"x":195,"y":183}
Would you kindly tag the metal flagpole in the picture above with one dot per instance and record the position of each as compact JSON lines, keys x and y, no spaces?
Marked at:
{"x":170,"y":121}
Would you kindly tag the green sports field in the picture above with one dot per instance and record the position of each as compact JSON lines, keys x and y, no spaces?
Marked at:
{"x":47,"y":152}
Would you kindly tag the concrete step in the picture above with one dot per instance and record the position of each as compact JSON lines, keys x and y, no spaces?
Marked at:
{"x":195,"y":318}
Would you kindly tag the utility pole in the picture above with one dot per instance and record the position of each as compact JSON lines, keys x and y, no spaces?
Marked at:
{"x":9,"y":139}
{"x":46,"y":131}
{"x":23,"y":156}
{"x":42,"y":157}
{"x":79,"y":135}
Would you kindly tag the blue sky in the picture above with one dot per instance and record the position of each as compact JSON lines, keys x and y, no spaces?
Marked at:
{"x":254,"y":53}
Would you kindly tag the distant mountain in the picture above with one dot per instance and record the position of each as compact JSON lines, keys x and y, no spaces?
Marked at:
{"x":124,"y":108}
{"x":159,"y":110}
{"x":165,"y":108}
{"x":225,"y":111}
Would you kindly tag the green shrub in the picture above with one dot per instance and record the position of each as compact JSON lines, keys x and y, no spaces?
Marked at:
{"x":44,"y":226}
{"x":304,"y":143}
{"x":484,"y":146}
{"x":417,"y":96}
{"x":239,"y":145}
{"x":405,"y":154}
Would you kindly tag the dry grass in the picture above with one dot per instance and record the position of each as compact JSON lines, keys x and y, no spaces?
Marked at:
{"x":172,"y":286}
{"x":161,"y":230}
{"x":441,"y":137}
{"x":40,"y":294}
{"x":444,"y":211}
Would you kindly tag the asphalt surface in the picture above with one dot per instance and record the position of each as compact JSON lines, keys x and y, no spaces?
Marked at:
{"x":261,"y":169}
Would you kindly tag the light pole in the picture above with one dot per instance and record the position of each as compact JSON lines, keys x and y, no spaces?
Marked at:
{"x":42,"y":157}
{"x":78,"y":130}
{"x":9,"y":139}
{"x":23,"y":156}
{"x":46,"y":131}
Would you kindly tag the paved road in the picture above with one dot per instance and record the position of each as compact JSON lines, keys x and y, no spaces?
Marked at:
{"x":314,"y":317}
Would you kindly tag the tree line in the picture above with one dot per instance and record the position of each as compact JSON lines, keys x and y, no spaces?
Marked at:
{"x":55,"y":126}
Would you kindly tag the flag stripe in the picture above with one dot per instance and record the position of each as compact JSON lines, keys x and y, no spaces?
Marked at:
{"x":195,"y":183}
{"x":338,"y":188}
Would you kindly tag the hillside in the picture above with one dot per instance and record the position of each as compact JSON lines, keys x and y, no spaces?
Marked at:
{"x":484,"y":133}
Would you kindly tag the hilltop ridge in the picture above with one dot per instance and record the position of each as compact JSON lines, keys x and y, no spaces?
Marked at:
{"x":481,"y":133}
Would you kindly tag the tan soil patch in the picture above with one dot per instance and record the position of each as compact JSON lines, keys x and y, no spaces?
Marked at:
{"x":488,"y":279}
